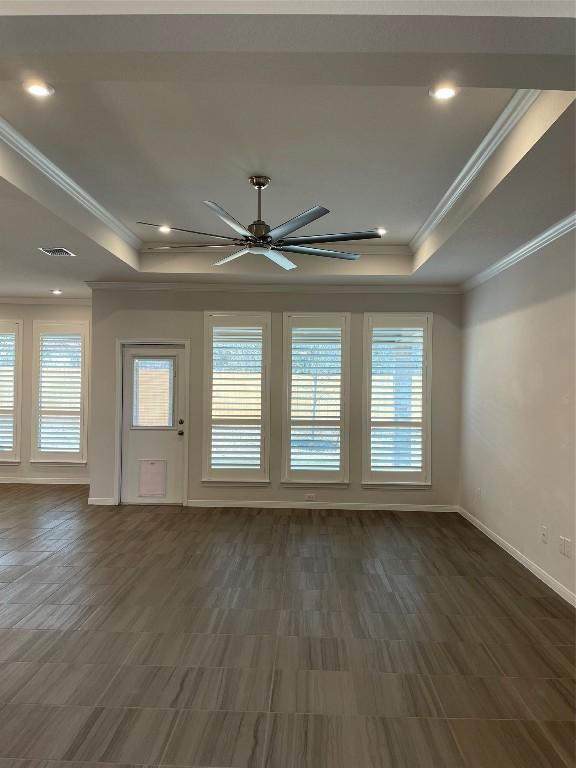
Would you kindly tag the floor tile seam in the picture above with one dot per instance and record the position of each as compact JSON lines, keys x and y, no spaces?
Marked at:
{"x":268,"y":721}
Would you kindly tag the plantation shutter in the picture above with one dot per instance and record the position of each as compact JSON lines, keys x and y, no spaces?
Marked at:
{"x":7,"y":393}
{"x":238,"y":383}
{"x":316,"y":398}
{"x":397,"y":396}
{"x":60,"y":407}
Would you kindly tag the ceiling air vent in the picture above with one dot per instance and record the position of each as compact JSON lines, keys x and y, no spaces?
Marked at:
{"x":57,"y":251}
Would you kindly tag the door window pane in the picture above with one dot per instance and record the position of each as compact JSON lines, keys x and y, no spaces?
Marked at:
{"x":153,"y":392}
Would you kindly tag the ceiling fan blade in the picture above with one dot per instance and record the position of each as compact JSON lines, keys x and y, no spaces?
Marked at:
{"x":191,"y":231}
{"x":306,"y":217}
{"x":371,"y":234}
{"x":188,"y":246}
{"x":232,"y":256}
{"x":282,"y":261}
{"x":228,"y":219}
{"x":318,"y":252}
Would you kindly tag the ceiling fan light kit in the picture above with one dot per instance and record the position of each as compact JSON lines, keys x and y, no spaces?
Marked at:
{"x":272,"y":242}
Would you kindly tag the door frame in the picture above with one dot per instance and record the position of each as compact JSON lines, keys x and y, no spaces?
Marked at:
{"x":121,"y":344}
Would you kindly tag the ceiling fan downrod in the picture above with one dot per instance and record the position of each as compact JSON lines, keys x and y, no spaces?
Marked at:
{"x":259,"y":228}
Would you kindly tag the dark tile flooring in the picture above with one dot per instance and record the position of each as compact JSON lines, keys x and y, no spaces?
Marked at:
{"x":272,"y":639}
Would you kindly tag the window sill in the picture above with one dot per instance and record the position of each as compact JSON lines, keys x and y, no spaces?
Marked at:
{"x":375,"y":484}
{"x":236,"y":481}
{"x":316,"y":483}
{"x":60,"y":462}
{"x":10,"y":462}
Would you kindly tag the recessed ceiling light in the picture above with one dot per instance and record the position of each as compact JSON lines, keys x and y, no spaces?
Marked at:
{"x":443,"y":92}
{"x":56,"y":292}
{"x":165,"y":229}
{"x":38,"y":88}
{"x":381,"y":231}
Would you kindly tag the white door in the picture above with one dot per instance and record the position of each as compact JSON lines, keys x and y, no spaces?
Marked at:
{"x":153,"y":428}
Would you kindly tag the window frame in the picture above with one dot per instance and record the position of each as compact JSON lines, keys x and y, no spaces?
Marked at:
{"x":251,"y":476}
{"x":16,"y":327}
{"x":340,"y":320}
{"x":40,"y":328}
{"x":408,"y":479}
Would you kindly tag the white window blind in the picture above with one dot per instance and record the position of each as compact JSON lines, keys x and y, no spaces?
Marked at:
{"x":60,"y":405}
{"x":397,"y":436}
{"x":315,"y":435}
{"x":9,"y":384}
{"x":153,"y":392}
{"x":237,"y":389}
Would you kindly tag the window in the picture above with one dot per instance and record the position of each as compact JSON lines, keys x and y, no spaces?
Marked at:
{"x":316,"y":398}
{"x":236,"y":407}
{"x":153,"y":388}
{"x":60,"y":412}
{"x":10,"y":384}
{"x":397,"y":398}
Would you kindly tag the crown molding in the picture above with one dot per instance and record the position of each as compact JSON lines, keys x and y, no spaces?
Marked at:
{"x":518,"y":105}
{"x":274,"y":287}
{"x":15,"y":141}
{"x":369,"y":248}
{"x":57,"y":300}
{"x":540,"y":241}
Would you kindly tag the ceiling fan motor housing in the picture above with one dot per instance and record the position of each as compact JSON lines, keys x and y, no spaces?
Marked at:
{"x":259,"y":228}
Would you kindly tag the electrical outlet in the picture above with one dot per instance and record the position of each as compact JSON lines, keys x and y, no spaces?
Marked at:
{"x":544,"y":534}
{"x":565,"y":546}
{"x":310,"y":497}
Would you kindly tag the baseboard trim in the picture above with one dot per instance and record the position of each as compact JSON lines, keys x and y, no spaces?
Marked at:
{"x":44,"y":481}
{"x":539,"y":572}
{"x":102,"y":502}
{"x":266,"y":504}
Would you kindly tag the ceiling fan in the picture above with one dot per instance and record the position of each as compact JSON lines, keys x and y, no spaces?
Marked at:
{"x":271,"y":242}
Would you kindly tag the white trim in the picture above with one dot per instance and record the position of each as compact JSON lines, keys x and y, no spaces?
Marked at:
{"x":40,"y":327}
{"x":214,"y":319}
{"x":60,"y":462}
{"x":17,"y":328}
{"x":505,"y":122}
{"x":105,"y":501}
{"x":391,"y":478}
{"x":557,"y":230}
{"x":58,"y":300}
{"x":539,"y":572}
{"x":44,"y":480}
{"x":346,"y":287}
{"x":13,"y":139}
{"x":342,"y":320}
{"x":373,"y":248}
{"x":267,"y":504}
{"x":483,"y":8}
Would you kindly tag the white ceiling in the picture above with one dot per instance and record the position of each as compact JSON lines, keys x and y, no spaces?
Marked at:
{"x":24,"y":271}
{"x":155,"y":151}
{"x":152,"y":115}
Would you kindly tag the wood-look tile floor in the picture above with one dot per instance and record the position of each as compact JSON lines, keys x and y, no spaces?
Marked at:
{"x":157,"y":636}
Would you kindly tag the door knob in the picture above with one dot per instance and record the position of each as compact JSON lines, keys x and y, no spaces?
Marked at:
{"x":180,"y":431}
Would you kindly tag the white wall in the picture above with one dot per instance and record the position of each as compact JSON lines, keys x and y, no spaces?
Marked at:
{"x":518,"y":406}
{"x":173,"y":314}
{"x":27,"y":470}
